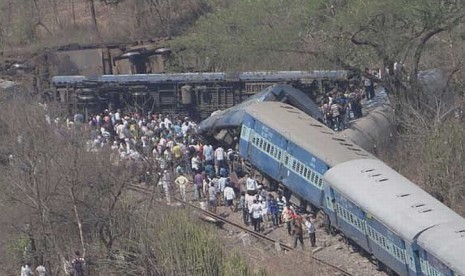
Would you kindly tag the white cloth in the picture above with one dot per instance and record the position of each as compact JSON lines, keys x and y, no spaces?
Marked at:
{"x":256,"y":210}
{"x":41,"y":270}
{"x":251,"y":184}
{"x":229,"y":193}
{"x":26,"y":271}
{"x":219,"y":154}
{"x":249,"y":199}
{"x":310,"y":226}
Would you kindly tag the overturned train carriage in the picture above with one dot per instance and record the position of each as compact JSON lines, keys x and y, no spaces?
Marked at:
{"x":193,"y":94}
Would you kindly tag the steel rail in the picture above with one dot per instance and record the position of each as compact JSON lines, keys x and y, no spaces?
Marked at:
{"x":251,"y":232}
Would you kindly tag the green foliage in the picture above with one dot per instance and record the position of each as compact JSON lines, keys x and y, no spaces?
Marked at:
{"x":251,"y":34}
{"x":185,"y":247}
{"x":236,"y":265}
{"x":18,"y":247}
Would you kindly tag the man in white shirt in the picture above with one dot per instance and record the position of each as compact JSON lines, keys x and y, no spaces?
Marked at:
{"x":251,"y":185}
{"x":229,"y":196}
{"x":310,"y":225}
{"x":182,"y":181}
{"x":256,"y":212}
{"x":208,"y":153}
{"x":219,"y":159}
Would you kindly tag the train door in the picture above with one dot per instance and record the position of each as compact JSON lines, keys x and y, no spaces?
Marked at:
{"x":329,"y":209}
{"x":247,"y":136}
{"x":285,"y":156}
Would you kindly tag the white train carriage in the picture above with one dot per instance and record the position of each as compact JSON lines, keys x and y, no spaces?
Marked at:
{"x":383,"y":212}
{"x":442,"y":249}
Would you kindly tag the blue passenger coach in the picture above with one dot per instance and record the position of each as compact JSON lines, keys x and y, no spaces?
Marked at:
{"x":442,"y":249}
{"x":293,"y":148}
{"x":401,"y":225}
{"x":387,"y":215}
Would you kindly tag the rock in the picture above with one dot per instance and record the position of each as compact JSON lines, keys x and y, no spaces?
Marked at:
{"x":246,"y":239}
{"x":316,"y":250}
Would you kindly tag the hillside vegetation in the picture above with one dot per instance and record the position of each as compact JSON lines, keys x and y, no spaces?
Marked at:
{"x":89,"y":210}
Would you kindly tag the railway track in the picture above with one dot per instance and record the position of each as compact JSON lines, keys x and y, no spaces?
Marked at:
{"x":242,"y":228}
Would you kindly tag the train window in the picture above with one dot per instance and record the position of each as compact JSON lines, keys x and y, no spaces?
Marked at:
{"x":320,"y":182}
{"x":260,"y":143}
{"x":301,"y":171}
{"x":305,"y":172}
{"x":279,"y":155}
{"x":297,"y":166}
{"x":253,"y":140}
{"x":293,"y":164}
{"x":313,"y":177}
{"x":286,"y":160}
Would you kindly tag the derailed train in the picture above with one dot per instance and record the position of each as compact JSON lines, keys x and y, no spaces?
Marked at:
{"x":403,"y":227}
{"x":194,"y":94}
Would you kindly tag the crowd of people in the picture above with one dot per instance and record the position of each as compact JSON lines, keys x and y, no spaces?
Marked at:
{"x":178,"y":163}
{"x":260,"y":206}
{"x":185,"y":164}
{"x":339,"y":107}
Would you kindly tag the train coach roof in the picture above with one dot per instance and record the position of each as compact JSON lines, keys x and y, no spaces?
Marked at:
{"x":307,"y":132}
{"x":394,"y":200}
{"x":447,"y":243}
